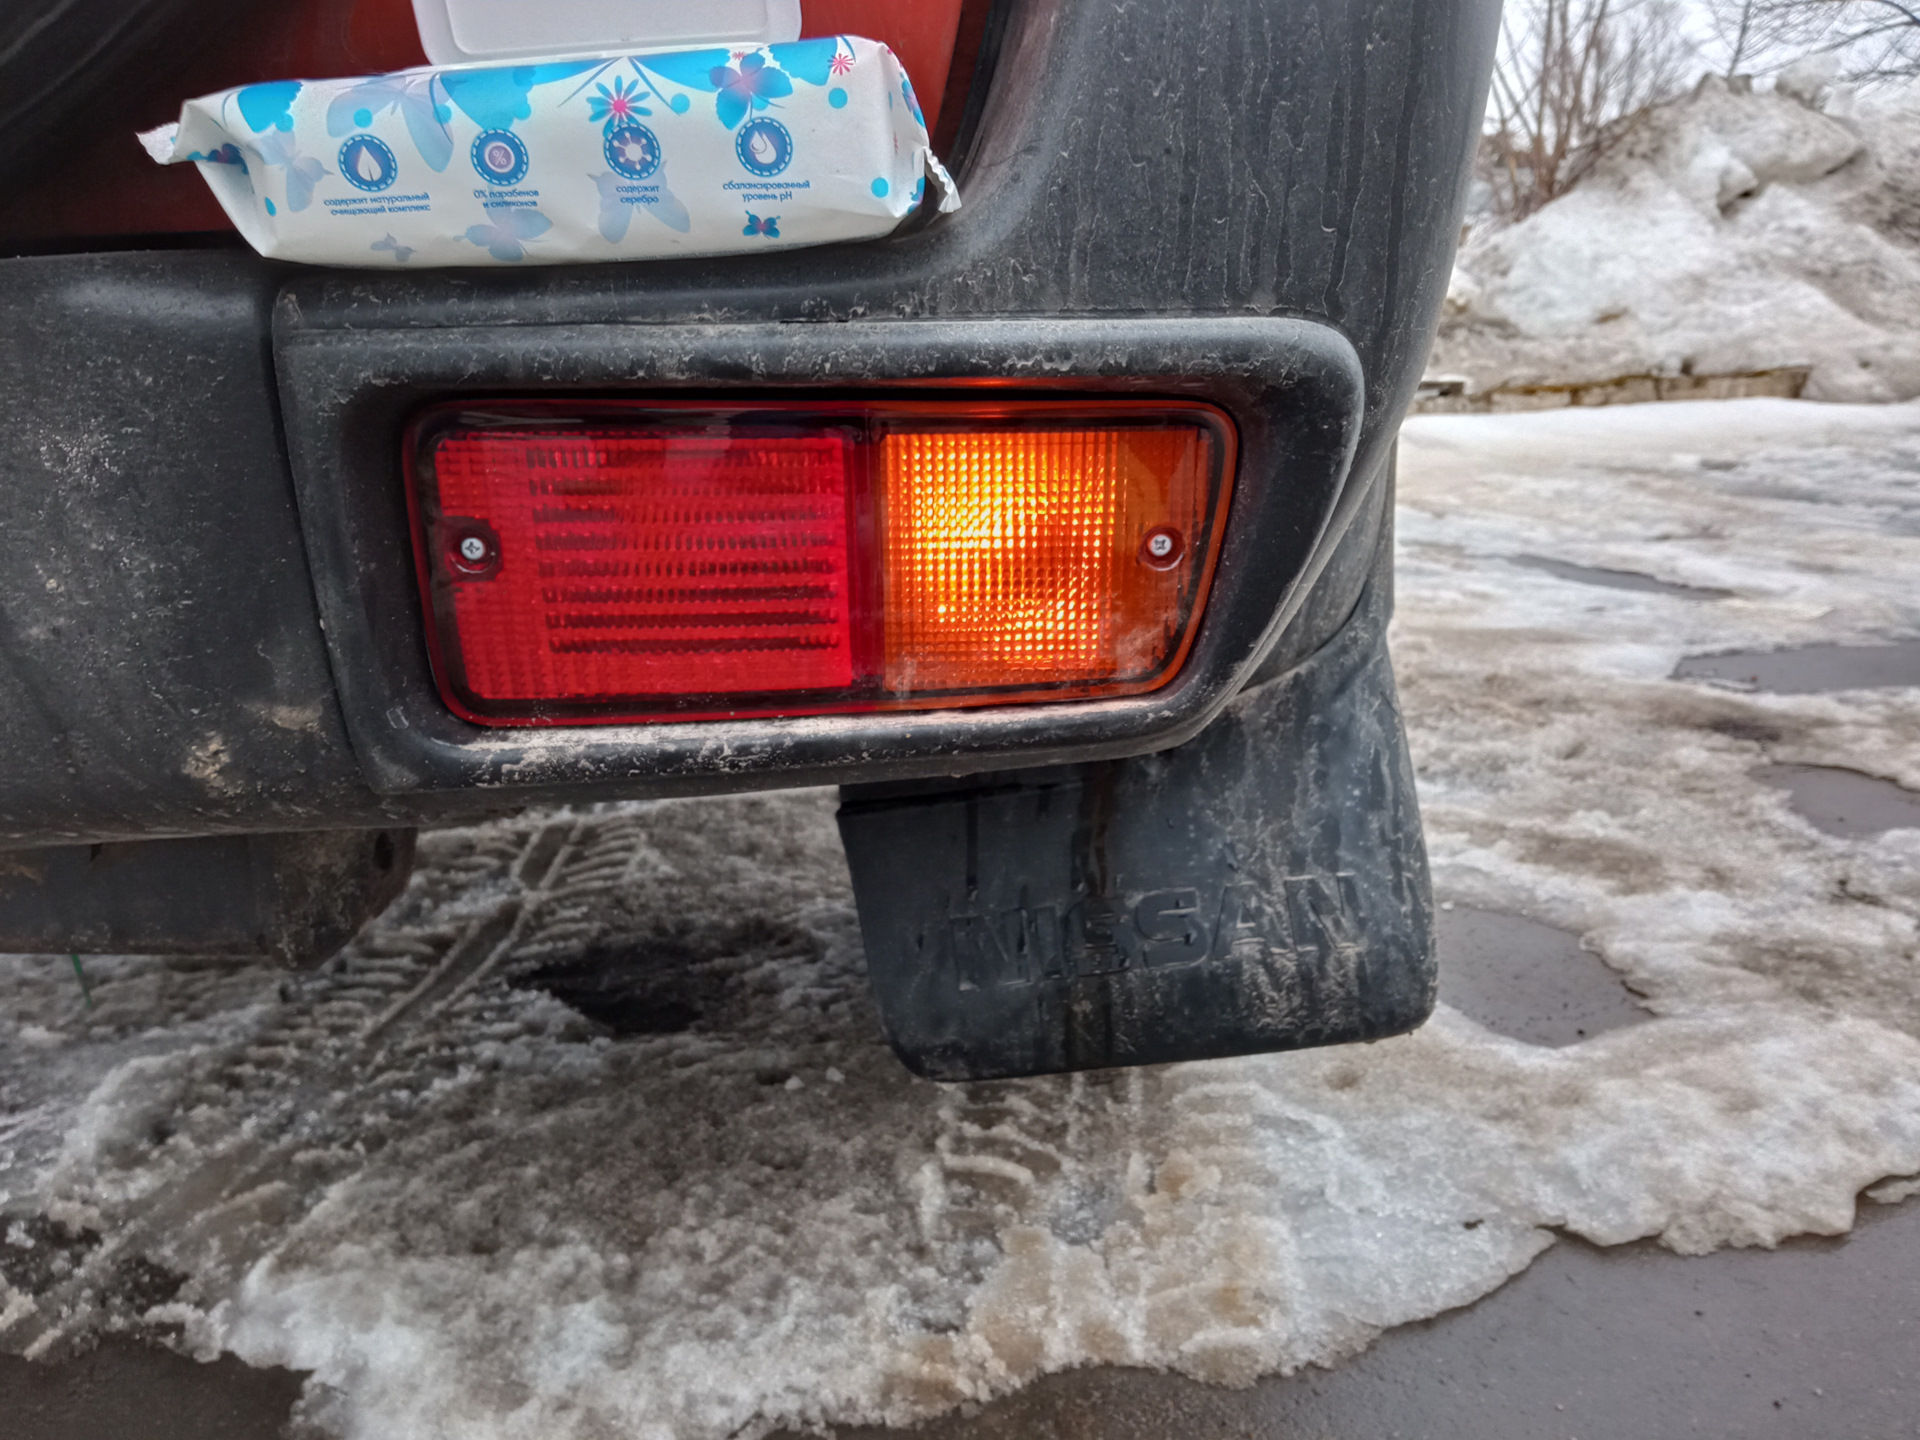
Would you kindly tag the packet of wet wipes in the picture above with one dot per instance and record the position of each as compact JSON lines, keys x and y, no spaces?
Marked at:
{"x":627,"y":157}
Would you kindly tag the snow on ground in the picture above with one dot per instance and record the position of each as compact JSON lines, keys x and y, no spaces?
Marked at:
{"x":476,"y":1214}
{"x":1733,"y":233}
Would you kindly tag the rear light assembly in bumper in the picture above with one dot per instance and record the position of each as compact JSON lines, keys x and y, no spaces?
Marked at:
{"x":1008,"y":542}
{"x":593,"y":563}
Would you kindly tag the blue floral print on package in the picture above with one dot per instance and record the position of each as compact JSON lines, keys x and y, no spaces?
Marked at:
{"x":627,"y":157}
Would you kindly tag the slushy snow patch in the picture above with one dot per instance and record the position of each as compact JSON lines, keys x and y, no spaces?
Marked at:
{"x":490,"y":1219}
{"x":1732,"y":233}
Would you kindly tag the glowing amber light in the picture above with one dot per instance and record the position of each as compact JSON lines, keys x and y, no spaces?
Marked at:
{"x":1013,"y":557}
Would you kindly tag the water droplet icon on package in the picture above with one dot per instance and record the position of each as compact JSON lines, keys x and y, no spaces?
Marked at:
{"x":367,"y":164}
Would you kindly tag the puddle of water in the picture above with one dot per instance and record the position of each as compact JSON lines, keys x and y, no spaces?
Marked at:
{"x":1810,"y":669}
{"x":1615,"y":579}
{"x":127,"y":1388}
{"x":1528,"y":981}
{"x":1844,"y":802}
{"x":666,"y":984}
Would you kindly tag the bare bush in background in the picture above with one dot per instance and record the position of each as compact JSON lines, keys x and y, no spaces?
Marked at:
{"x":1869,"y":40}
{"x":1882,"y":38}
{"x":1756,"y":33}
{"x":1571,"y":80}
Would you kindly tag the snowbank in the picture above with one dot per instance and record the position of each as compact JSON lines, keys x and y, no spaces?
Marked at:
{"x":490,"y":1220}
{"x":1733,"y":233}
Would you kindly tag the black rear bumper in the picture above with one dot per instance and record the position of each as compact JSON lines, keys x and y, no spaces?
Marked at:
{"x":205,"y":625}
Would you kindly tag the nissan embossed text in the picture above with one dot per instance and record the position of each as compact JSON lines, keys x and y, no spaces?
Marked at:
{"x":627,"y":157}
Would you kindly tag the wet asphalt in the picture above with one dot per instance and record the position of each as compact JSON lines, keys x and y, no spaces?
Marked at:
{"x":1817,"y":1340}
{"x":1809,"y":669}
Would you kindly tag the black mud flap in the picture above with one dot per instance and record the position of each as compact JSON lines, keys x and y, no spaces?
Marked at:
{"x":1262,"y":887}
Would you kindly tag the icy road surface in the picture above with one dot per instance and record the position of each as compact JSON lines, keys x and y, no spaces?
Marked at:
{"x":470,"y":1211}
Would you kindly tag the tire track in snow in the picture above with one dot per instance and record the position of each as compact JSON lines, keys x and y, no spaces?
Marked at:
{"x":345,"y":1034}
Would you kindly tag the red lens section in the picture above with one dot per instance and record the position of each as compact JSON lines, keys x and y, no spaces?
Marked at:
{"x":589,"y":563}
{"x":645,"y":564}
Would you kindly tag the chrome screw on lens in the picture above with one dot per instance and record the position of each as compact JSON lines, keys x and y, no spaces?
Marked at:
{"x":1162,"y":547}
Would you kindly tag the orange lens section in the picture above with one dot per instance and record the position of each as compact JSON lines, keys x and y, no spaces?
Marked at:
{"x":1068,"y":558}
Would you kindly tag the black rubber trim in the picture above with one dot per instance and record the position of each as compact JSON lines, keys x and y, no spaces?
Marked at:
{"x":953,"y":141}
